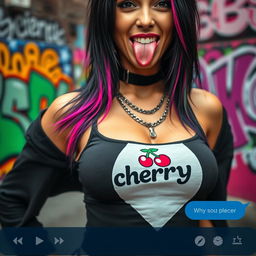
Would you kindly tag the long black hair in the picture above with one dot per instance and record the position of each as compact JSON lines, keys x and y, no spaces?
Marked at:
{"x":179,"y":64}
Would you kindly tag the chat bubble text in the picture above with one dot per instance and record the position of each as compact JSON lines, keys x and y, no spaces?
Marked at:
{"x":215,"y":210}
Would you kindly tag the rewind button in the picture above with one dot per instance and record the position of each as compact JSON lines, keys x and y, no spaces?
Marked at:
{"x":17,"y":240}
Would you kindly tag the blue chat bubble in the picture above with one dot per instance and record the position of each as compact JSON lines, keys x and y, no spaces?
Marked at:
{"x":215,"y":210}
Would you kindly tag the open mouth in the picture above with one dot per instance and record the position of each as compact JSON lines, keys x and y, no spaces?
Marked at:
{"x":144,"y":47}
{"x":145,"y":39}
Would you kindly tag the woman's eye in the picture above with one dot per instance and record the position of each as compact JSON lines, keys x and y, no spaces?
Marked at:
{"x":126,"y":4}
{"x":164,"y":4}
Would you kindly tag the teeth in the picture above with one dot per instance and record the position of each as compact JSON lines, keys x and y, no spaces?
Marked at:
{"x":145,"y":40}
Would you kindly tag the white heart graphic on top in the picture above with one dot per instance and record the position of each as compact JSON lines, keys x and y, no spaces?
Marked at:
{"x":155,"y":190}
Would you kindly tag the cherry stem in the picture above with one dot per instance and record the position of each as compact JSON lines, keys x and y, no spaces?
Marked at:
{"x":150,"y":152}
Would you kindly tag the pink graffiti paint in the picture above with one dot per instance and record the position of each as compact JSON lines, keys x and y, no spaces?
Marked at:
{"x":226,"y":18}
{"x":212,"y":55}
{"x":79,"y":55}
{"x":252,"y":16}
{"x":235,"y":43}
{"x":204,"y":76}
{"x":251,"y":41}
{"x":215,"y":12}
{"x":206,"y":21}
{"x":241,"y":172}
{"x":233,"y":100}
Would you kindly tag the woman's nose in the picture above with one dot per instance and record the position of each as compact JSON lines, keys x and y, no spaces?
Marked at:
{"x":145,"y":18}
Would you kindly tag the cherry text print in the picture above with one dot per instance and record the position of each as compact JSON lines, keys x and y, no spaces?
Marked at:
{"x":142,"y":176}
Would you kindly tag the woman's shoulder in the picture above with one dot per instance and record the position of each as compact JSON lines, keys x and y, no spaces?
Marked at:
{"x":52,"y":115}
{"x":206,"y":102}
{"x":209,"y":110}
{"x":58,"y":106}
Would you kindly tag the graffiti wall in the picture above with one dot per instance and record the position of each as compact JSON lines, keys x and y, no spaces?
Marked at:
{"x":32,"y":75}
{"x":25,"y":26}
{"x":228,"y":62}
{"x":35,"y":67}
{"x":80,"y":57}
{"x":227,"y":19}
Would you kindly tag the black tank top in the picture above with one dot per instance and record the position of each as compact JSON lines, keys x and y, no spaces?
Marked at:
{"x":129,"y":183}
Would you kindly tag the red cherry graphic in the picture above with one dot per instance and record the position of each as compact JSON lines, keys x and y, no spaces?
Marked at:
{"x":162,"y":160}
{"x":145,"y":161}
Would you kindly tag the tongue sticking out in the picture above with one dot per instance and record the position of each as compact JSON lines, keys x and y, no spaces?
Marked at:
{"x":144,"y":53}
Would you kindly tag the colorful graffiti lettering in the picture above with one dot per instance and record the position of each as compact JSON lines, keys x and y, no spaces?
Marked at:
{"x":80,"y":72}
{"x":229,"y":72}
{"x":80,"y":58}
{"x":32,"y":75}
{"x":25,"y":26}
{"x":226,"y":18}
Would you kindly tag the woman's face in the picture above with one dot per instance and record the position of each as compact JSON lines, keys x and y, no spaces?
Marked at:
{"x":143,"y":31}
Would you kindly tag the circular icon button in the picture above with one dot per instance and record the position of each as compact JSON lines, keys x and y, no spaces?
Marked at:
{"x":218,"y":240}
{"x":199,"y":241}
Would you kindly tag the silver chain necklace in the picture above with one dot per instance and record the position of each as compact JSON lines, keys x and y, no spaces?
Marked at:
{"x":138,"y":109}
{"x":149,"y":125}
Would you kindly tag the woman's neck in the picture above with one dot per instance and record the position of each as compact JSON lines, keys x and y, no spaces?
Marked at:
{"x":140,"y":91}
{"x":139,"y":70}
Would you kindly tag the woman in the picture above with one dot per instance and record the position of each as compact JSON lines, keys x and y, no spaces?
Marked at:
{"x":141,"y":141}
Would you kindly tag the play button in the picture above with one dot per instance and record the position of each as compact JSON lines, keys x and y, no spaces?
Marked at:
{"x":38,"y":240}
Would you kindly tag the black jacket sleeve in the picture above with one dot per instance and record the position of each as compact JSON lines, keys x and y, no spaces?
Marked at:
{"x":41,"y":170}
{"x":223,"y":152}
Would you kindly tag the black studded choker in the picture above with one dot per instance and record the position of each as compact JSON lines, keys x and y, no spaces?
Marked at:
{"x":140,"y":80}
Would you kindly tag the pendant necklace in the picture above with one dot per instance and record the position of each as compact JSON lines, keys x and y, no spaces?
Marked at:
{"x":138,"y":109}
{"x":149,"y":125}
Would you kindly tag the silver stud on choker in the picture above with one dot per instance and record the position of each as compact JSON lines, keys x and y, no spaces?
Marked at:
{"x":150,"y":126}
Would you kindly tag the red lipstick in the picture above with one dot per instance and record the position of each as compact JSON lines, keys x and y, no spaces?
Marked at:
{"x":145,"y":35}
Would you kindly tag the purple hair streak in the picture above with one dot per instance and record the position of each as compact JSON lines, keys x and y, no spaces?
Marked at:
{"x":177,"y":24}
{"x":82,"y":117}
